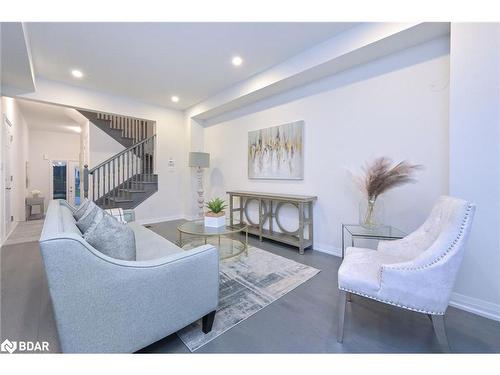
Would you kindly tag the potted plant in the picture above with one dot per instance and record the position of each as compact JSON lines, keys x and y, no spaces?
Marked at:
{"x":215,"y":217}
{"x":378,"y":177}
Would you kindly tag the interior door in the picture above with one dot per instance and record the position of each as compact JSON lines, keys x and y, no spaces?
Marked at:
{"x":59,"y":179}
{"x":7,"y":176}
{"x":74,"y":182}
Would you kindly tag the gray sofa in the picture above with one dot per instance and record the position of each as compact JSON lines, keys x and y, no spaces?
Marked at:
{"x":103,"y":304}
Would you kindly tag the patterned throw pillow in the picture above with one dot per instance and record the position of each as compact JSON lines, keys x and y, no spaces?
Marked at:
{"x":81,"y":210}
{"x":88,"y":217}
{"x":111,"y":238}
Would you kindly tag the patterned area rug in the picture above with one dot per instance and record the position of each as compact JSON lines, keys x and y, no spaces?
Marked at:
{"x":247,"y":285}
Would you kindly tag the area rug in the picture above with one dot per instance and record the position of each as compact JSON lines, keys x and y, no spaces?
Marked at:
{"x":247,"y":285}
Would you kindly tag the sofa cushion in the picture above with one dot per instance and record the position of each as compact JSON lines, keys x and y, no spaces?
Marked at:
{"x":81,"y":210}
{"x":67,"y":221}
{"x":88,"y":217}
{"x":150,"y":245}
{"x":111,"y":238}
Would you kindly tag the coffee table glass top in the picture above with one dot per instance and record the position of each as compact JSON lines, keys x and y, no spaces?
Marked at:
{"x":226,"y":238}
{"x":198,"y":228}
{"x":379,"y":232}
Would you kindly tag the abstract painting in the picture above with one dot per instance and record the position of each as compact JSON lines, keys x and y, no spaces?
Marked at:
{"x":277,"y":152}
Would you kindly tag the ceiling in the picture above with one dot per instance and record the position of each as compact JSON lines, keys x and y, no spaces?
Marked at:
{"x":16,"y":71}
{"x":150,"y":62}
{"x":48,"y":117}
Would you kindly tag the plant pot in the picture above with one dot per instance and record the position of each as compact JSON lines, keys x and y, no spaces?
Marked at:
{"x":215,"y":220}
{"x":371,"y":214}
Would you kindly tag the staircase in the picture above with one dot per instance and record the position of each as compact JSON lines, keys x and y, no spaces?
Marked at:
{"x":126,"y":179}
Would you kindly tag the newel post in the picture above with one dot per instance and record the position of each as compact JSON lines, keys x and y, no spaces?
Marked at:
{"x":85,"y":181}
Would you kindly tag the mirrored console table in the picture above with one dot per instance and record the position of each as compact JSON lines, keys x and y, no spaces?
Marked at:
{"x":269,"y":225}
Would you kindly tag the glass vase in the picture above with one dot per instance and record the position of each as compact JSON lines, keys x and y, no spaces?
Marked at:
{"x":371,"y":213}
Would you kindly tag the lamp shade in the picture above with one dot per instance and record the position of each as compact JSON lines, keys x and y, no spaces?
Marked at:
{"x":199,"y":159}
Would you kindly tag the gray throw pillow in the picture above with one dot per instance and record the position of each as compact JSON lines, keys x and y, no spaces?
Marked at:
{"x":81,"y":210}
{"x":88,"y":217}
{"x":111,"y":238}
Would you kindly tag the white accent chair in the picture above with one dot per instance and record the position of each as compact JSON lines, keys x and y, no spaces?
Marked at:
{"x":415,"y":273}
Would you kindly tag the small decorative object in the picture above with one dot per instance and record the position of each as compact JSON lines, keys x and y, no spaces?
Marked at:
{"x":277,"y":152}
{"x":199,"y":160}
{"x":216,"y":217}
{"x":35,"y":193}
{"x":378,"y":177}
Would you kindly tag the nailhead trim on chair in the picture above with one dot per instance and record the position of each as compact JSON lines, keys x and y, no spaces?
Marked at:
{"x":451,"y":247}
{"x":392,"y":303}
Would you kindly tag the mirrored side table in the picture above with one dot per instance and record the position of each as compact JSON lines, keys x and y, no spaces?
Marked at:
{"x":35,"y":201}
{"x":356,"y":231}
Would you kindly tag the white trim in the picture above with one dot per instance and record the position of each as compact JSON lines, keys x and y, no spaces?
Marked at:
{"x":160,"y":219}
{"x":476,"y":306}
{"x":14,"y":225}
{"x":327,"y":249}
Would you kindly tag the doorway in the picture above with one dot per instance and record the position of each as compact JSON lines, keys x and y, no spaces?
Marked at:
{"x":65,"y":181}
{"x":59,"y":180}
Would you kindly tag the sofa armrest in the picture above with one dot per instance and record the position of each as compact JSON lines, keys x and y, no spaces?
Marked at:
{"x":108,"y":305}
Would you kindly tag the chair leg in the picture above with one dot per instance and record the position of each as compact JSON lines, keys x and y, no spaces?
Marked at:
{"x":207,"y":322}
{"x":342,"y":306}
{"x":440,"y":330}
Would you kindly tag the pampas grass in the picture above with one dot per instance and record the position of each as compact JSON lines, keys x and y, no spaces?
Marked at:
{"x":380,"y":176}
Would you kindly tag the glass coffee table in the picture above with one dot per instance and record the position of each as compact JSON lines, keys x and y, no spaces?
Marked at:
{"x":226,"y":238}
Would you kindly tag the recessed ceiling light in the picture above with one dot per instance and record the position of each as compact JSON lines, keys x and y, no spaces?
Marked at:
{"x":77,"y":73}
{"x":175,"y":99}
{"x":237,"y":61}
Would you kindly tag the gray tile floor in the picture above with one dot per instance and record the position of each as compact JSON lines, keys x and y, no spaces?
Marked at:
{"x":303,"y":321}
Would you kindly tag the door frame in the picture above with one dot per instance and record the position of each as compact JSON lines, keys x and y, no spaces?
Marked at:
{"x":7,"y":226}
{"x":51,"y":175}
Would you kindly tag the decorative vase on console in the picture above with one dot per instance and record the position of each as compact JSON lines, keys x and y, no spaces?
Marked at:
{"x":378,"y":177}
{"x":216,"y":217}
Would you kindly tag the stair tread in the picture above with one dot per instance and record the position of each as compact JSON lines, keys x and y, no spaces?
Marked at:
{"x":145,"y":182}
{"x":120,"y":200}
{"x":133,"y":190}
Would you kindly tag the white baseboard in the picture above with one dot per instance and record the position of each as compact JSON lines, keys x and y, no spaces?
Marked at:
{"x":160,"y":219}
{"x":327,"y":249}
{"x":476,"y":306}
{"x":14,"y":225}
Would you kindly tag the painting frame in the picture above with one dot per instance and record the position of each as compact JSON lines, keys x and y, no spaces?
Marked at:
{"x":276,"y":152}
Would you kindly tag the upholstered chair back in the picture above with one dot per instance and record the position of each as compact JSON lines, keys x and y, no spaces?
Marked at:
{"x":438,"y":248}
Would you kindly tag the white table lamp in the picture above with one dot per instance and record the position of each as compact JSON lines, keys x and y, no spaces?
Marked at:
{"x":199,"y":160}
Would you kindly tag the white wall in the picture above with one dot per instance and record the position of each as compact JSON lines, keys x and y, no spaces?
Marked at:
{"x":18,"y":157}
{"x":101,"y":146}
{"x":45,"y":146}
{"x":167,"y":203}
{"x":396,"y":106}
{"x":475,"y":158}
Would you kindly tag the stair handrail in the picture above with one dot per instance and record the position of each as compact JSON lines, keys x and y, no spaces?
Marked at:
{"x":92,"y":170}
